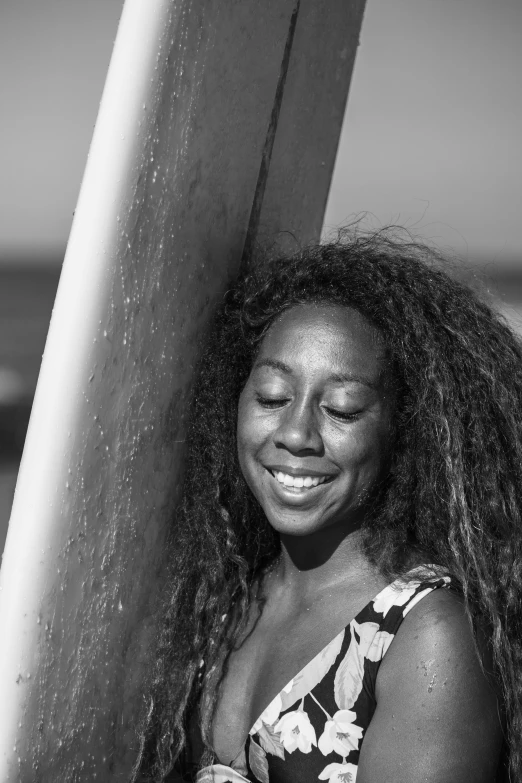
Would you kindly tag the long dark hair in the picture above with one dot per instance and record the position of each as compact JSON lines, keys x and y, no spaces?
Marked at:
{"x":453,"y":490}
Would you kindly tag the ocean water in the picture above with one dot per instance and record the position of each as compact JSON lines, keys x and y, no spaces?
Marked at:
{"x":26,"y":302}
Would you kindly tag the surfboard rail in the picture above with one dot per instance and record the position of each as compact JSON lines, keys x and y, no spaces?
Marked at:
{"x":217,"y":132}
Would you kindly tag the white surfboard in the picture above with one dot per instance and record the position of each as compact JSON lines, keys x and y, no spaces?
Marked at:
{"x":218,"y":129}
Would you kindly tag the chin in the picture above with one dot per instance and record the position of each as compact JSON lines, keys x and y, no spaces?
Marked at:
{"x":296,"y":530}
{"x":287,"y":525}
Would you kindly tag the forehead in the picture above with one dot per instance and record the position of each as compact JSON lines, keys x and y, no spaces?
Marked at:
{"x":336,"y":337}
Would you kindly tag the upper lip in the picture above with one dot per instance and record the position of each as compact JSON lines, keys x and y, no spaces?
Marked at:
{"x":296,"y":472}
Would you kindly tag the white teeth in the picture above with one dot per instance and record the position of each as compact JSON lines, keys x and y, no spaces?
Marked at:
{"x":299,"y":481}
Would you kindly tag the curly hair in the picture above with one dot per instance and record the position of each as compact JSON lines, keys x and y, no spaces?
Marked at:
{"x":453,"y":490}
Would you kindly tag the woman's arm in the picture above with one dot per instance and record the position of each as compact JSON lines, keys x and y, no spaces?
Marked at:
{"x":437,"y":717}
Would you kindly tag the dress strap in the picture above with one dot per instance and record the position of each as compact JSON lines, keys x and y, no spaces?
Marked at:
{"x":394,"y":602}
{"x":376,"y":625}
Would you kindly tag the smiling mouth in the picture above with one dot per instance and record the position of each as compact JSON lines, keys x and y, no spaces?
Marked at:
{"x":299,"y":483}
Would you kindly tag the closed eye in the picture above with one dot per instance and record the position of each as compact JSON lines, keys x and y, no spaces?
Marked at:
{"x":341,"y":415}
{"x":269,"y":402}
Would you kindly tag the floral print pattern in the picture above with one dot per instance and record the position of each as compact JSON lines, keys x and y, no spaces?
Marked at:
{"x":296,"y":731}
{"x":322,"y":714}
{"x":340,"y":734}
{"x":344,"y":773}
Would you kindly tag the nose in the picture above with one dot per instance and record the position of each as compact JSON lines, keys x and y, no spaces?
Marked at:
{"x":298,"y":431}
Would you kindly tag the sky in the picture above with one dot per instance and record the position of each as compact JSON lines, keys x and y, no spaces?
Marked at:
{"x":430,"y":138}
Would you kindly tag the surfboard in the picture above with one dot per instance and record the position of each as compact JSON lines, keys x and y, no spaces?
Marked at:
{"x":217,"y":132}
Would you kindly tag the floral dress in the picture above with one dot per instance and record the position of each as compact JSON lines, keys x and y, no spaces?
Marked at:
{"x":314,"y":728}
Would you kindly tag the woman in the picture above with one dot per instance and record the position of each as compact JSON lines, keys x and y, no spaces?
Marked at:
{"x":346,"y":589}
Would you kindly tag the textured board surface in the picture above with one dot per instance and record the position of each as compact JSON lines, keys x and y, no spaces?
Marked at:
{"x":316,"y":89}
{"x":208,"y":112}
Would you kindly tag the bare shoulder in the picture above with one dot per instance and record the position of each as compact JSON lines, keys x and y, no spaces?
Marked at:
{"x":437,"y":716}
{"x":438,"y":625}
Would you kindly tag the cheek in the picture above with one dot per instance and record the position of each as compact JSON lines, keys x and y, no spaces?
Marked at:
{"x":241,"y":430}
{"x":252,"y":426}
{"x":247,"y":433}
{"x":365,"y":450}
{"x":246,"y":449}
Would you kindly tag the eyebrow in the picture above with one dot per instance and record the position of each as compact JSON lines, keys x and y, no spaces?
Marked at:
{"x":274,"y":364}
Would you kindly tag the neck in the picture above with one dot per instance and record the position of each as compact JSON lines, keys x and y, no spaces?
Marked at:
{"x":319,"y":561}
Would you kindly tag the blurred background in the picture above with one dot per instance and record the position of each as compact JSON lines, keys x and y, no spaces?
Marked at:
{"x":431,"y":141}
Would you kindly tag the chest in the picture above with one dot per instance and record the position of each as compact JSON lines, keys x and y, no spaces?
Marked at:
{"x":277,"y":648}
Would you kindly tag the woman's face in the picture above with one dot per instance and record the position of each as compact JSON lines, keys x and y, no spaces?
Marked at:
{"x":314,"y":419}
